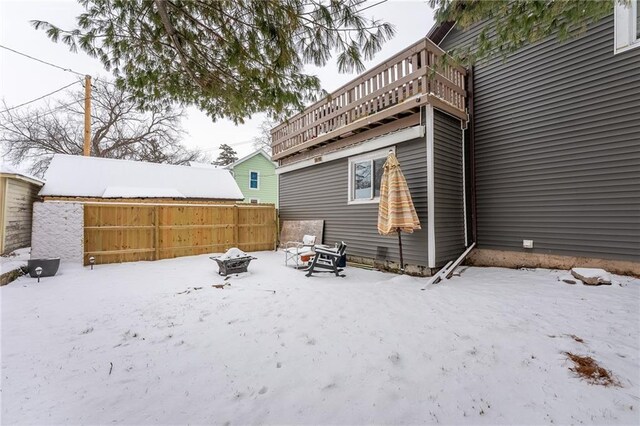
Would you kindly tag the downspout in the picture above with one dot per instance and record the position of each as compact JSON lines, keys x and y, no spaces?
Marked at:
{"x":471,"y":128}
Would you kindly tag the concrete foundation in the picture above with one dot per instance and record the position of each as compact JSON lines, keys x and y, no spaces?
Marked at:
{"x":511,"y":259}
{"x":389,"y":266}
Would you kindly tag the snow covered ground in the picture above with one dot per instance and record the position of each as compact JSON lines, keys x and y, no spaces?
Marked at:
{"x":154,"y":342}
{"x":14,"y":260}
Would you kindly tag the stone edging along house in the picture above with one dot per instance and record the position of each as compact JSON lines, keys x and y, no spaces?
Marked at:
{"x":535,"y":157}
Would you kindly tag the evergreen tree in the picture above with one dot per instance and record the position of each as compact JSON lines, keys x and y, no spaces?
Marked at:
{"x":230,"y":58}
{"x":515,"y":23}
{"x":227,"y":156}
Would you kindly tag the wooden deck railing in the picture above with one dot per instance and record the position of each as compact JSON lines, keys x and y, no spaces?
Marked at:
{"x":394,"y":86}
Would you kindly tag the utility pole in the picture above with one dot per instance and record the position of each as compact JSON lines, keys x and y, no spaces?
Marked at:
{"x":87,"y":115}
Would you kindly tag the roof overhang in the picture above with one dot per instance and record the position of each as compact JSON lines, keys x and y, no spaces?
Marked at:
{"x":22,"y":178}
{"x":438,"y":32}
{"x":380,"y":142}
{"x":247,"y":157}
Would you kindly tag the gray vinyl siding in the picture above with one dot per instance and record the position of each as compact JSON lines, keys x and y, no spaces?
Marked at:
{"x":320,"y":192}
{"x":448,"y":188}
{"x":557,"y":146}
{"x":19,"y":207}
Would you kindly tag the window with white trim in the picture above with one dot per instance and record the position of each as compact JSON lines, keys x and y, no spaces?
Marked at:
{"x":365,"y":176}
{"x":254,"y":180}
{"x":626,"y":26}
{"x":254,"y":201}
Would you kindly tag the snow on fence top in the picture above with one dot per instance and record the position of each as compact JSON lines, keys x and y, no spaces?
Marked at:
{"x":78,"y":176}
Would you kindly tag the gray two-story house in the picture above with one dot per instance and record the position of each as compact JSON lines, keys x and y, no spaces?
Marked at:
{"x":534,"y":157}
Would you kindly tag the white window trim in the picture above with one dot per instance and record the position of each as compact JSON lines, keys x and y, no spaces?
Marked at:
{"x":373,"y":155}
{"x":256,"y":199}
{"x":258,"y":173}
{"x":625,"y":31}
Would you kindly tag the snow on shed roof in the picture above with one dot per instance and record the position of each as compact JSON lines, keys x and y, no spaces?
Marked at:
{"x":204,"y":165}
{"x":78,"y":176}
{"x":137,"y":192}
{"x":8,"y":169}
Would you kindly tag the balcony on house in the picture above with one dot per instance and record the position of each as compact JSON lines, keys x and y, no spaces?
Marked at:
{"x":383,"y":99}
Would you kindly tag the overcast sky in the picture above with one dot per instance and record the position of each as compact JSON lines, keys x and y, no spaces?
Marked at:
{"x":22,"y":79}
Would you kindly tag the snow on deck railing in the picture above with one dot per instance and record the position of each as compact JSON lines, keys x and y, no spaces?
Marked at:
{"x":385,"y":88}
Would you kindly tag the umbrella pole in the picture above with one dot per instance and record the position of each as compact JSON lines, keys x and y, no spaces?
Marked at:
{"x":401,"y":257}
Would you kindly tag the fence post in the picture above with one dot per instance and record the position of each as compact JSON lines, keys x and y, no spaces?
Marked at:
{"x":236,"y":226}
{"x":156,"y":233}
{"x":276,"y":229}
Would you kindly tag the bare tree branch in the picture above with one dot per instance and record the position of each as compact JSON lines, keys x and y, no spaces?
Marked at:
{"x":119,"y":130}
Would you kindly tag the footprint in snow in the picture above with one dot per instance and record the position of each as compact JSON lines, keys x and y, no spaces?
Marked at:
{"x":395,"y":358}
{"x":129,"y":335}
{"x":263,"y":390}
{"x":329,"y":386}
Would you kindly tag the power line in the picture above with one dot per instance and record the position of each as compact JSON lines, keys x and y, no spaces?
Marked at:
{"x":55,"y":66}
{"x":232,"y":144}
{"x":59,"y":107}
{"x":42,"y":61}
{"x":373,"y":5}
{"x":41,"y":97}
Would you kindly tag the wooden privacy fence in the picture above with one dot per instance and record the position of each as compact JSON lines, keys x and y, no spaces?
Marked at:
{"x":133,"y":232}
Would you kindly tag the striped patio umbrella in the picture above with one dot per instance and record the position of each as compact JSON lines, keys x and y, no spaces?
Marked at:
{"x":396,"y":212}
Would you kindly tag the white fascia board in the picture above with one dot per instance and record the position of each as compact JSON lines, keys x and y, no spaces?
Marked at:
{"x":247,"y":157}
{"x":24,"y":178}
{"x":366,"y":146}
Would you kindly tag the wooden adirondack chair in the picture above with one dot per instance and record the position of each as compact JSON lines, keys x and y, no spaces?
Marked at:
{"x":326,"y":260}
